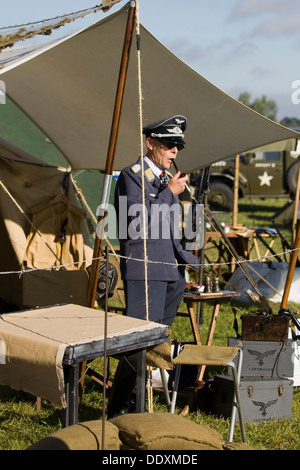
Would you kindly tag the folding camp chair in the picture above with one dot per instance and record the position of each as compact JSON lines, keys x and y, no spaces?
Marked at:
{"x":217,"y":356}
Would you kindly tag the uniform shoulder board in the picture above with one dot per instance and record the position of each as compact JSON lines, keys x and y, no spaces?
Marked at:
{"x":136,"y":168}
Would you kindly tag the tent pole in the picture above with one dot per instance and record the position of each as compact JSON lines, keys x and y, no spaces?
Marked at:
{"x":291,"y":270}
{"x":236,"y":190}
{"x":111,"y":156}
{"x":295,"y":215}
{"x":92,"y":287}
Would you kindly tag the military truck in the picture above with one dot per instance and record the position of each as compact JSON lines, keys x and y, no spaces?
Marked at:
{"x":261,"y":174}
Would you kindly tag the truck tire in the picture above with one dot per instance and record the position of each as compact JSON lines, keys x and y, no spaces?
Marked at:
{"x":292,"y":177}
{"x":220,"y":196}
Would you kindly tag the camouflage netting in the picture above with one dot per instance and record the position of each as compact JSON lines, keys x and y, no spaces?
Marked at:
{"x":9,"y":35}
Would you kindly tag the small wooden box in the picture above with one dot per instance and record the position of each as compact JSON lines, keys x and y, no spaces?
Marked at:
{"x":257,"y":327}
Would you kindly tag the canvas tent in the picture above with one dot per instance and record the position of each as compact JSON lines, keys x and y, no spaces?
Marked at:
{"x":41,"y":226}
{"x":68,"y":89}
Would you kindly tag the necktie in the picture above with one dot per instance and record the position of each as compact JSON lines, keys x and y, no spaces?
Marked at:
{"x":163,"y":179}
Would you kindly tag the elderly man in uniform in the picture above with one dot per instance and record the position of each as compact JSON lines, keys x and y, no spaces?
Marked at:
{"x":166,"y":259}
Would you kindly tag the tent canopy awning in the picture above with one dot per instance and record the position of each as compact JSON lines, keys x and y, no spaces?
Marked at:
{"x":68,"y":89}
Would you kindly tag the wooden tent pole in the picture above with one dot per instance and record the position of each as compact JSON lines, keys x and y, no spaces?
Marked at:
{"x":93,"y":280}
{"x":236,"y":190}
{"x":290,"y":273}
{"x":111,"y":156}
{"x":295,"y":215}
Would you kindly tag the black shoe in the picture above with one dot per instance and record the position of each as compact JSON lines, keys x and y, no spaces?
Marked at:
{"x":132,"y":408}
{"x":116,"y":410}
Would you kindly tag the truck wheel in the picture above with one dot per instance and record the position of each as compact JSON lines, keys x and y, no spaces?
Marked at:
{"x":220,"y":197}
{"x":292,"y":177}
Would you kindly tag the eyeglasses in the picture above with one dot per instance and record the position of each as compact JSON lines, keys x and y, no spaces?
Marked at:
{"x":170,"y":145}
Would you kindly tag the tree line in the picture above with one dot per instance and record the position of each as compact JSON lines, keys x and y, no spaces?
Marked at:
{"x":267,"y":108}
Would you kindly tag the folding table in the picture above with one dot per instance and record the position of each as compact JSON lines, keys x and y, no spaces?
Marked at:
{"x":190,"y":299}
{"x":217,"y":297}
{"x":42,"y":349}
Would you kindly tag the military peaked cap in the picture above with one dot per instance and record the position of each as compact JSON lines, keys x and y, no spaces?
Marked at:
{"x":169,"y":130}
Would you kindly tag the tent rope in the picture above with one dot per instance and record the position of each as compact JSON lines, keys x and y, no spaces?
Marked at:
{"x":140,"y":112}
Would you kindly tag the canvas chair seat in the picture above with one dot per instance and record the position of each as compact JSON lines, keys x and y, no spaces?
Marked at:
{"x":210,"y":356}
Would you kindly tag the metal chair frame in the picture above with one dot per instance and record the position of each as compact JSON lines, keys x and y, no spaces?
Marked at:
{"x":236,"y":374}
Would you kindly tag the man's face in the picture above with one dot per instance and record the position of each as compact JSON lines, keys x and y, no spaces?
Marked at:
{"x":160,"y":153}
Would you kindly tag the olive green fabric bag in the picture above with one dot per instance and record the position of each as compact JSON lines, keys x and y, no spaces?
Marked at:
{"x":164,"y":431}
{"x":82,"y":436}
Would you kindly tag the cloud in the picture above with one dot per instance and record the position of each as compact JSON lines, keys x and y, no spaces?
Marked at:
{"x":223,"y":51}
{"x":273,"y":18}
{"x":242,"y":49}
{"x":260,"y":73}
{"x":258,"y":7}
{"x":284,"y":26}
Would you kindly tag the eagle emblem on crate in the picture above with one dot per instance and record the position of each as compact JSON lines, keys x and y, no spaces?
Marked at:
{"x":263,"y":406}
{"x":259,"y":356}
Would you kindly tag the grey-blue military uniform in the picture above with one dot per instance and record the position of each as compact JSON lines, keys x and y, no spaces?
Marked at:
{"x":166,"y":259}
{"x":164,"y":252}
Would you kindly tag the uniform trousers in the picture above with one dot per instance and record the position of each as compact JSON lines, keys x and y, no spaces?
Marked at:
{"x":164,"y":298}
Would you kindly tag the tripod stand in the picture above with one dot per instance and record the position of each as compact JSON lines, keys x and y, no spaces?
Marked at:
{"x":201,"y":196}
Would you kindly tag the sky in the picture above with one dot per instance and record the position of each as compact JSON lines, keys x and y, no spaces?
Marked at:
{"x":238,"y":45}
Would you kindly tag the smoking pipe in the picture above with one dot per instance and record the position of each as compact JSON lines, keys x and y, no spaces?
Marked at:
{"x":186,"y":185}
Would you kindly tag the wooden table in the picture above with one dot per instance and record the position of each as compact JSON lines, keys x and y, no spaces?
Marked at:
{"x":243,"y":240}
{"x":190,"y":300}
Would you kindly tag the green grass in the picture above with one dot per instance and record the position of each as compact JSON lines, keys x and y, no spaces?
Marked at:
{"x":21,"y":424}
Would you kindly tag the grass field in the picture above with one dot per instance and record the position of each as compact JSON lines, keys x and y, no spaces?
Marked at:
{"x":21,"y":424}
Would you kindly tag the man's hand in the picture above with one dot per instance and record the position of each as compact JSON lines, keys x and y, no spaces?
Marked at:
{"x":177,"y":183}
